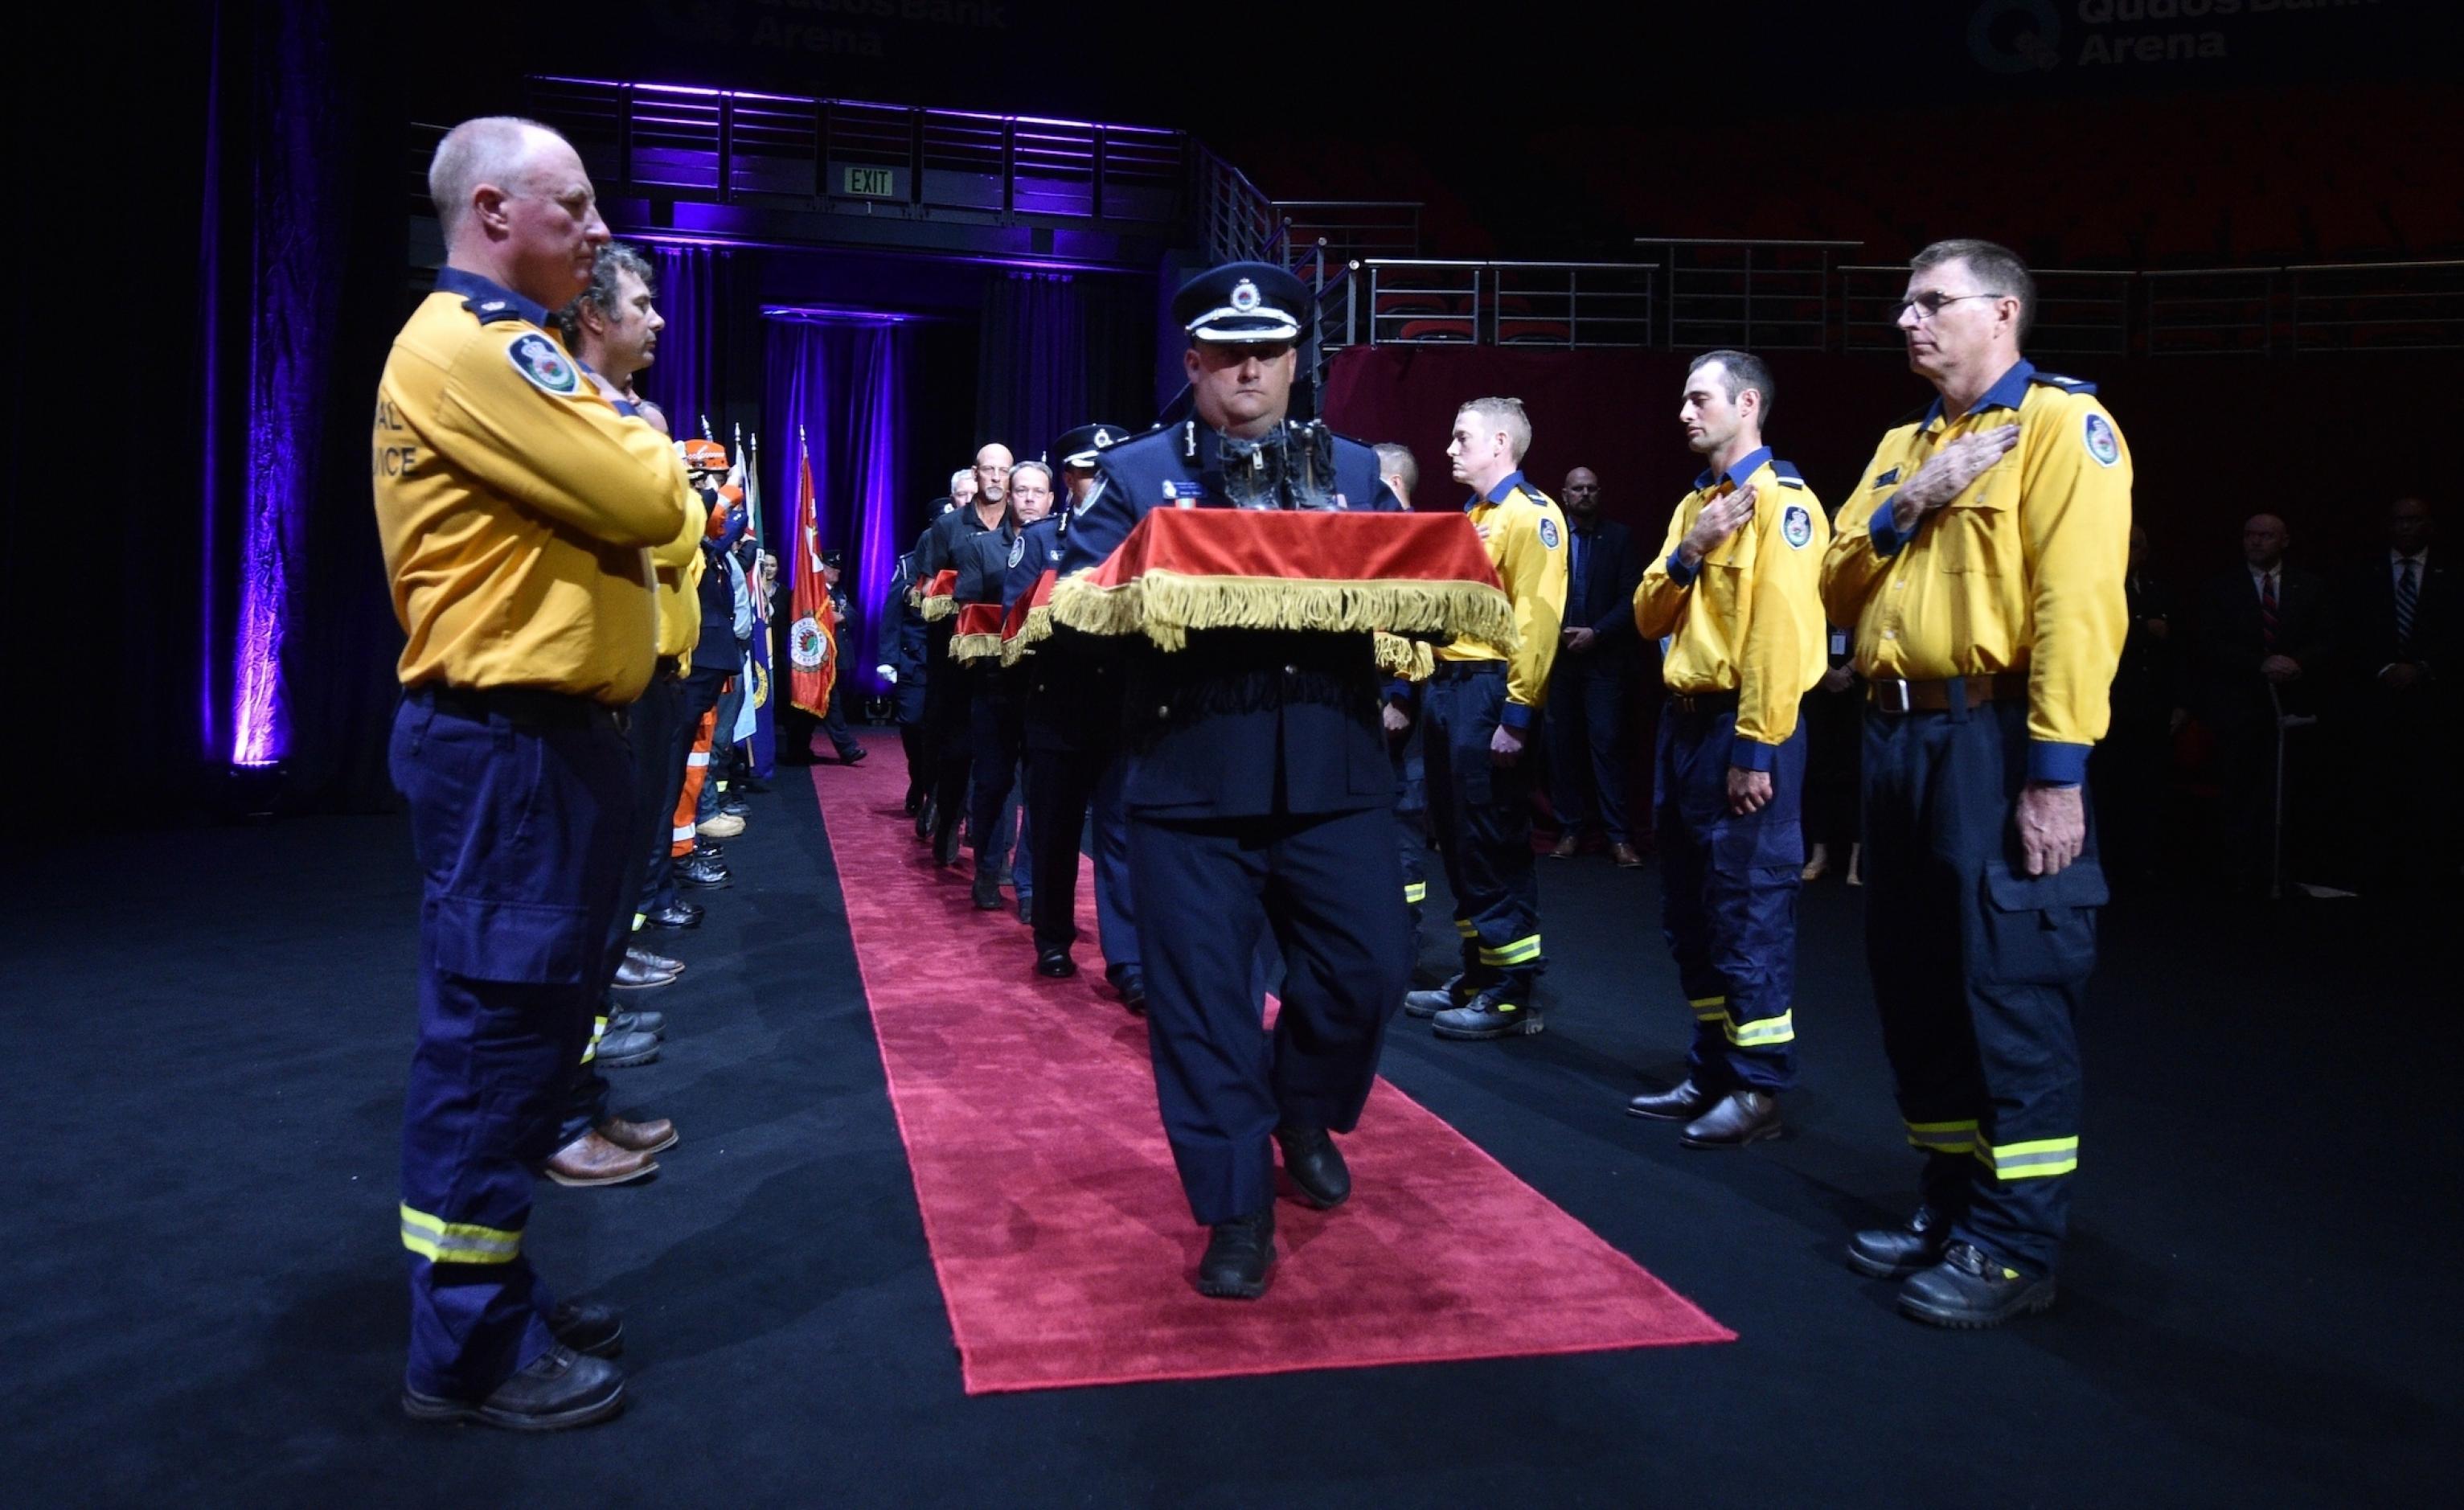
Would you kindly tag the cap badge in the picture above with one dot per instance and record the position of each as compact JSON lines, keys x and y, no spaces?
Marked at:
{"x":1244,"y":296}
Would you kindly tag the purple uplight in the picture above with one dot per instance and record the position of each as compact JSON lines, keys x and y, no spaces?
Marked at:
{"x":261,"y":719}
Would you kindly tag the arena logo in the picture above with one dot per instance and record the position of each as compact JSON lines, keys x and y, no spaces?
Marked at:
{"x":2012,"y":37}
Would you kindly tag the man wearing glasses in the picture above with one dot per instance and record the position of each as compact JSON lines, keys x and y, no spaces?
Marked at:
{"x":1981,"y":559}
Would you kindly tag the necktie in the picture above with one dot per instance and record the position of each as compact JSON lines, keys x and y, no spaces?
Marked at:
{"x":2267,"y":612}
{"x":2407,"y":602}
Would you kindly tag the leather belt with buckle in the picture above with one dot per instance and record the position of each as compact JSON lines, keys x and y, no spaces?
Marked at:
{"x":1686,"y":704}
{"x":1890,"y":695}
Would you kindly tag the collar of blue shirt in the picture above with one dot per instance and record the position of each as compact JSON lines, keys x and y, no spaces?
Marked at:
{"x":1735,"y":477}
{"x":487,"y":295}
{"x":1496,"y":495}
{"x":2008,"y":391}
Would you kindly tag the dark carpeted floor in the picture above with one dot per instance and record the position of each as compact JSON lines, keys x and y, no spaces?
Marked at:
{"x":205,"y":1296}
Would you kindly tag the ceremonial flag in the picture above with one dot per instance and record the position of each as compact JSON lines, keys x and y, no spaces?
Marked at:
{"x":813,"y":632}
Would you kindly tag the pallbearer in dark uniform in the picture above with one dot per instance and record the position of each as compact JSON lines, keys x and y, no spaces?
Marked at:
{"x":947,"y":692}
{"x":1072,"y":728}
{"x":518,"y":505}
{"x":1981,"y":561}
{"x":1735,"y":594}
{"x":904,"y":644}
{"x":994,"y":735}
{"x":1259,"y":798}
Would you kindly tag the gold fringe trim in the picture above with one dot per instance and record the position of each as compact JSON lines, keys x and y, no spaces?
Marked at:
{"x":1412,"y":659}
{"x":975,"y":647}
{"x":1165,"y":606}
{"x":1037,"y":628}
{"x":935,"y":609}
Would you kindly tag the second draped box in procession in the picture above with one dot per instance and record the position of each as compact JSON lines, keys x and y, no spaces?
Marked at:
{"x":1185,"y":570}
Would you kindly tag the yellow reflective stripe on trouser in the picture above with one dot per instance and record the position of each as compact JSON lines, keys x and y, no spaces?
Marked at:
{"x":598,"y":1031}
{"x":440,"y":1241}
{"x":1465,"y":929}
{"x":1522,"y":951}
{"x":1415,"y":892}
{"x":1708,"y":1008}
{"x":2029,"y":1161}
{"x":1944,"y":1137}
{"x":1763,"y":1034}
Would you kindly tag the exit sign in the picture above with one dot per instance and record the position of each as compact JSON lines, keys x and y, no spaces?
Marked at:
{"x":872,"y":182}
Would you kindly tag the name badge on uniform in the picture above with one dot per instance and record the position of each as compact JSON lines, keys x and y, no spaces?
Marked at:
{"x":1182,"y":495}
{"x":1887,"y":478}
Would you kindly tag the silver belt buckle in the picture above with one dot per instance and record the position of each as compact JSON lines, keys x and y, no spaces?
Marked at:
{"x":1892,"y":695}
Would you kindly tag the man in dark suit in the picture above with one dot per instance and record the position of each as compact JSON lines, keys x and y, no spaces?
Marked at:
{"x":2263,"y":643}
{"x":2399,"y":636}
{"x":1591,"y":685}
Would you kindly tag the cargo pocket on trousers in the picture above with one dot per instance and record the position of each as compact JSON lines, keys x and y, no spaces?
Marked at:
{"x":2040,"y":930}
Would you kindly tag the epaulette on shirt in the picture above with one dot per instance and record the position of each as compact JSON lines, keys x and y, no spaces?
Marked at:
{"x":495,"y":311}
{"x":2068,"y":384}
{"x":1533,"y":493}
{"x":1788,"y":475}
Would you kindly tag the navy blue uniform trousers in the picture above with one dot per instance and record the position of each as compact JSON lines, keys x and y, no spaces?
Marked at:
{"x":1482,"y":814}
{"x":521,"y":823}
{"x":1325,"y":885}
{"x":1979,"y":969}
{"x":1063,"y":789}
{"x":996,"y":736}
{"x":1728,"y":888}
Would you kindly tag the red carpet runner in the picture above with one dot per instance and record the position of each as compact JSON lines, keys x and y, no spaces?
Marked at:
{"x":1058,"y":1233}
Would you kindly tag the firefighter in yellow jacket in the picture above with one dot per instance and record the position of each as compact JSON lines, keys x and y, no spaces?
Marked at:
{"x":518,"y":504}
{"x":1981,"y":559}
{"x":1479,"y":710}
{"x":1735,"y":594}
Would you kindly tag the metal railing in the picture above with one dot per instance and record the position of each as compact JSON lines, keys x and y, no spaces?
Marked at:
{"x":1350,"y":229}
{"x":1431,"y":301}
{"x":1751,"y":294}
{"x":791,"y":151}
{"x":1236,"y":222}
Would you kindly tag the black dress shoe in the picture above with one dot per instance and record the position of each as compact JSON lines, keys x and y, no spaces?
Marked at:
{"x":1027,"y":908}
{"x":1971,"y":1289}
{"x":653,"y":962}
{"x":924,"y":814}
{"x":987,"y":893}
{"x":1680,"y":1103}
{"x":676,"y":916}
{"x":559,"y":1388}
{"x":945,"y":841}
{"x":856,"y":759}
{"x":1315,"y":1165}
{"x":633,"y":977}
{"x":1132,"y":986}
{"x":1741,"y":1118}
{"x":593,"y":1329}
{"x":653,"y":1023}
{"x":707,"y":875}
{"x":710,"y":849}
{"x":1055,"y":962}
{"x":1894,"y":1252}
{"x":1237,"y":1256}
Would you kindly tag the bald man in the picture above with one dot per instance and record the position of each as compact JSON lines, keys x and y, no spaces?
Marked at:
{"x":520,"y":502}
{"x":1591,"y":688}
{"x":2263,"y":649}
{"x":948,"y":699}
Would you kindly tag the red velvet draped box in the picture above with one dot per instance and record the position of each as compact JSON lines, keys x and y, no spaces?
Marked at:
{"x":1185,"y":570}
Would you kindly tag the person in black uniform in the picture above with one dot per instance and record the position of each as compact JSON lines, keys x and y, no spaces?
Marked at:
{"x":833,"y":722}
{"x":1072,"y":720}
{"x":904,"y":644}
{"x":1259,"y":798}
{"x":947,"y":690}
{"x":1591,"y":684}
{"x":994,"y":735}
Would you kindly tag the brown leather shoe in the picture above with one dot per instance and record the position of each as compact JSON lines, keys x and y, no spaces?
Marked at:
{"x":1627,"y":856}
{"x":1565,"y":846}
{"x":593,"y":1159}
{"x":658,"y":1135}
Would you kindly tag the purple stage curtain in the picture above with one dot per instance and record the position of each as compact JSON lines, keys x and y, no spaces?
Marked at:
{"x":843,"y":382}
{"x":683,"y":380}
{"x":1031,"y":385}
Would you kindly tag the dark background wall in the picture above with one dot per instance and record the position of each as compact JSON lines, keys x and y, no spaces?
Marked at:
{"x":170,"y":219}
